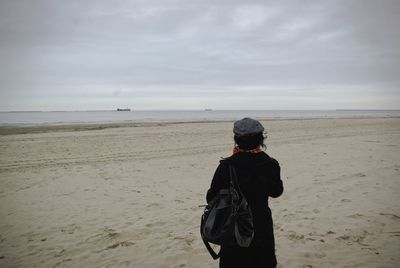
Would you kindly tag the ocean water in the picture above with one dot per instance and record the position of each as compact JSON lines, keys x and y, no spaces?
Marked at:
{"x":85,"y":117}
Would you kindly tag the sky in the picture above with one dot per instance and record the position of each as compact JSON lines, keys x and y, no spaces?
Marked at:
{"x":189,"y":54}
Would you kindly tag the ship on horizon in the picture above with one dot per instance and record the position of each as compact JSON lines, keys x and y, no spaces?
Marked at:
{"x":123,"y":110}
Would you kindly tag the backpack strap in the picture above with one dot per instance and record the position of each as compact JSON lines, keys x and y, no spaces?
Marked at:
{"x":233,"y":176}
{"x":213,"y":254}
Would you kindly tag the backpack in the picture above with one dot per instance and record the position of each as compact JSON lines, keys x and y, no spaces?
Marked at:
{"x":227,"y":218}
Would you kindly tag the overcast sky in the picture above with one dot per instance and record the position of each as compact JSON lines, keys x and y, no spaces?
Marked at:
{"x":79,"y":55}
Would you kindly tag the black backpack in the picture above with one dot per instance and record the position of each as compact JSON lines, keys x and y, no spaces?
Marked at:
{"x":227,"y":219}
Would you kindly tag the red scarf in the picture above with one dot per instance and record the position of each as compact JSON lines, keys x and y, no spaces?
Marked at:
{"x":257,"y":150}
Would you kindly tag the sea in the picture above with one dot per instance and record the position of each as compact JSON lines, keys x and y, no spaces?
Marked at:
{"x":49,"y":118}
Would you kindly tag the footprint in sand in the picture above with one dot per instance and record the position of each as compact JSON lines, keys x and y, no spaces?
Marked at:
{"x":31,"y":236}
{"x":106,"y":233}
{"x":155,"y":224}
{"x":189,"y":240}
{"x":351,"y":239}
{"x":293,"y":236}
{"x":61,"y":262}
{"x":110,"y":233}
{"x":356,"y":216}
{"x":70,"y":229}
{"x":60,"y":253}
{"x":359,"y":175}
{"x":153,"y":205}
{"x":120,"y":244}
{"x":320,"y":255}
{"x":393,"y":216}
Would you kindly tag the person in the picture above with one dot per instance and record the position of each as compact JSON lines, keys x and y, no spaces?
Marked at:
{"x":259,"y":178}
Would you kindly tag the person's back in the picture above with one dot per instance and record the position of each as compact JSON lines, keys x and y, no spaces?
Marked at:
{"x":259,"y":178}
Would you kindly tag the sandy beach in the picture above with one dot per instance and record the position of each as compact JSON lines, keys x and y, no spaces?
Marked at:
{"x":129,"y":196}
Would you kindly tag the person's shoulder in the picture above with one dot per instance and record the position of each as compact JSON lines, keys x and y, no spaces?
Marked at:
{"x":272,"y":160}
{"x":225,"y":161}
{"x":223,"y":167}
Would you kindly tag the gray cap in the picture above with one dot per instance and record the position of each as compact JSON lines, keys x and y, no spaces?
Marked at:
{"x":247,"y":126}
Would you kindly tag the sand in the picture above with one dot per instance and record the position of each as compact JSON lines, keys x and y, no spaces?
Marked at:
{"x":129,"y":196}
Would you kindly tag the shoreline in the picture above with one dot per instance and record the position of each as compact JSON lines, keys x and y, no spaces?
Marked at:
{"x":16,"y":129}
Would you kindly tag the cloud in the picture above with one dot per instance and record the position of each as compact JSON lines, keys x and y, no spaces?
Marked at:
{"x":62,"y":51}
{"x":251,"y":16}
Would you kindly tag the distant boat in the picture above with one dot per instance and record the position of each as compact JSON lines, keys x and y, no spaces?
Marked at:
{"x":208,"y":110}
{"x":123,"y":110}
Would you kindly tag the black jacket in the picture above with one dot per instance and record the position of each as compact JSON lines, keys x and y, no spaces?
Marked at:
{"x":259,"y":178}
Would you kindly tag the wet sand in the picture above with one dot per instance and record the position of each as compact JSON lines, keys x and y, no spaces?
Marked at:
{"x":128,"y":195}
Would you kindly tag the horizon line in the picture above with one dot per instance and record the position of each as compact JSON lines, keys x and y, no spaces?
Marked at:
{"x":194,"y":110}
